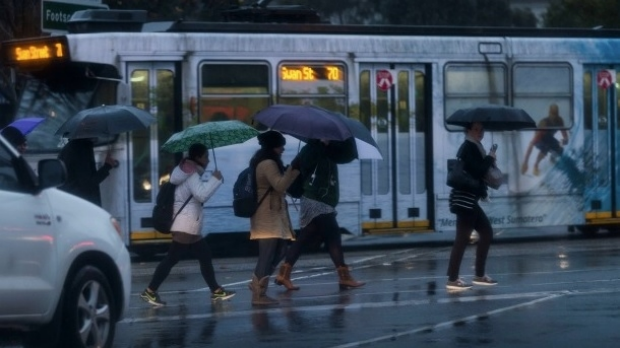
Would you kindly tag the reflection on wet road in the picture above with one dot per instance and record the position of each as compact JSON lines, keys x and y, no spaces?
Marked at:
{"x":550,"y":293}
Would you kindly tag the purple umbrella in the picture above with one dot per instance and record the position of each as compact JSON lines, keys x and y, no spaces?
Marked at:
{"x":27,"y":124}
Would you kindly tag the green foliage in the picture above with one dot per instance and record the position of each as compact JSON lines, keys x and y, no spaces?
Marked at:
{"x":583,"y":14}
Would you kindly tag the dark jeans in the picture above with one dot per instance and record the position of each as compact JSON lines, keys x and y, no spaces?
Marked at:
{"x":324,"y":226}
{"x":270,"y":252}
{"x":199,"y":249}
{"x":465,"y":224}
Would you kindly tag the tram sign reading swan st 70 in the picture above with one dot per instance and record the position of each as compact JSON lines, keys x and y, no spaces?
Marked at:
{"x":56,"y":13}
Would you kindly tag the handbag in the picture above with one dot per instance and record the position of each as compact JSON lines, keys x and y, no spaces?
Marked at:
{"x":494,"y":178}
{"x":459,"y":179}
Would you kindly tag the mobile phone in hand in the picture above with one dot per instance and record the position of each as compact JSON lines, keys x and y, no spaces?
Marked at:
{"x":493,"y":147}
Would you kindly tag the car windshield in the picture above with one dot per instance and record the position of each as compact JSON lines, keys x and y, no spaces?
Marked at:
{"x":57,"y":96}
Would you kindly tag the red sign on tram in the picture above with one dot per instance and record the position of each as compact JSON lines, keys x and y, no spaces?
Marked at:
{"x":605,"y":78}
{"x":384,"y":79}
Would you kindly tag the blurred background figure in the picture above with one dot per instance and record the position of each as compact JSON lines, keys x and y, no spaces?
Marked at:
{"x":83,"y":177}
{"x":16,"y":138}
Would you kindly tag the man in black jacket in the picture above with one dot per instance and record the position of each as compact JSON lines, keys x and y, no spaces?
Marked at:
{"x":83,"y":177}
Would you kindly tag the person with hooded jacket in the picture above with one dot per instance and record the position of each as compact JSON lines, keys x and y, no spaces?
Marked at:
{"x":186,"y":228}
{"x":271,"y":224}
{"x":319,"y":161}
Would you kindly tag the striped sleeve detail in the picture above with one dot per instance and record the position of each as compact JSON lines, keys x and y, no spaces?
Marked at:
{"x":462,"y":199}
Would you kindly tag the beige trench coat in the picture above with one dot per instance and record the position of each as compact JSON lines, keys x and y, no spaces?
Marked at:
{"x":272,"y":220}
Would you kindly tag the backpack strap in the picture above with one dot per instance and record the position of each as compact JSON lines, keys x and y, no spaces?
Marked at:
{"x":183,"y":206}
{"x":264,"y":196}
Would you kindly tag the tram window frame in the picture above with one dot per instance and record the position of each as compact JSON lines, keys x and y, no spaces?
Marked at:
{"x":336,"y":101}
{"x":457,"y":96}
{"x":535,"y":91}
{"x":244,"y":89}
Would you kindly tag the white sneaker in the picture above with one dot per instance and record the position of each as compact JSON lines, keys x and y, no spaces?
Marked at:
{"x":458,"y":284}
{"x":484,"y":280}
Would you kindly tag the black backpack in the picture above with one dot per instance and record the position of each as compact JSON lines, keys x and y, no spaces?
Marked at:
{"x":245,"y":199}
{"x":162,"y":216}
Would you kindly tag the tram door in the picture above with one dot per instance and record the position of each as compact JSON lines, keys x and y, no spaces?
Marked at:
{"x":151,"y":88}
{"x":602,"y":156}
{"x":393,"y":191}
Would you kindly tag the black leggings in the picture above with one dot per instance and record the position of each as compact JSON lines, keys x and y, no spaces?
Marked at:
{"x":199,"y":249}
{"x":270,"y":252}
{"x":325,"y":226}
{"x":465,"y":224}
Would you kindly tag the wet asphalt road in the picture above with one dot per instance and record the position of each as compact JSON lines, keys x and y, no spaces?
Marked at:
{"x":554,"y":291}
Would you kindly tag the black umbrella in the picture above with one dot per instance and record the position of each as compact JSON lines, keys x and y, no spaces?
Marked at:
{"x":105,"y":121}
{"x":493,"y":117}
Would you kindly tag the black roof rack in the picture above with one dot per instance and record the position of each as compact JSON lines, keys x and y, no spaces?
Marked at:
{"x":95,"y":21}
{"x":272,"y":14}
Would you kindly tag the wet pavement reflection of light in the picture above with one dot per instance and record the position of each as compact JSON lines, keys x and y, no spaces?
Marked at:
{"x":549,"y":293}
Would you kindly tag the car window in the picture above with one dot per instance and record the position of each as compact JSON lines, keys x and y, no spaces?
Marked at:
{"x":8,"y":177}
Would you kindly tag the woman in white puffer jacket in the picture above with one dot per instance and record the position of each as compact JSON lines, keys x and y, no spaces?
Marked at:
{"x":186,"y":227}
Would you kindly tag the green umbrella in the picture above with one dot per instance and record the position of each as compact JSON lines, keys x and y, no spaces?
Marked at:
{"x":212,"y":135}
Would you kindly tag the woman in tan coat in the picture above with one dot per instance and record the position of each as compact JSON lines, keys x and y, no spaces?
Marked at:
{"x":271,"y":224}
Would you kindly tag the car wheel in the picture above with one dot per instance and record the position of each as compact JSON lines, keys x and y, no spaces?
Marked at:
{"x":589,"y":231}
{"x":89,"y":311}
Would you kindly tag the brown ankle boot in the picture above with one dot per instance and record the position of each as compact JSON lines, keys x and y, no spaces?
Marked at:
{"x":284,"y":277}
{"x":345,"y":279}
{"x":259,"y":290}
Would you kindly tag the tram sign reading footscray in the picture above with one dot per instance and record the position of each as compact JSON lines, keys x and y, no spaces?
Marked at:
{"x":55,"y":14}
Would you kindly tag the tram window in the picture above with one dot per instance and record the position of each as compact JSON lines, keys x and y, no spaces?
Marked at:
{"x":57,"y":93}
{"x":467,"y":85}
{"x":403,"y":134}
{"x":140,"y":139}
{"x":587,"y":100}
{"x":233,"y":91}
{"x":544,"y":89}
{"x":365,"y":114}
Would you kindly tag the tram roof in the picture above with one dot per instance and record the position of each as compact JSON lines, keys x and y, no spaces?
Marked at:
{"x":90,"y":21}
{"x":321,"y":28}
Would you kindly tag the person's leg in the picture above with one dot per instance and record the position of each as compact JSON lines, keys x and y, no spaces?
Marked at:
{"x":328,"y":226}
{"x":201,"y":251}
{"x":163,"y":268}
{"x":304,"y":235}
{"x":279,"y":254}
{"x":464,"y":227}
{"x":267,"y":250}
{"x":483,"y":226}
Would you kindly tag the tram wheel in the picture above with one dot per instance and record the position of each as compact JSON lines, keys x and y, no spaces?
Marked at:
{"x":589,"y":231}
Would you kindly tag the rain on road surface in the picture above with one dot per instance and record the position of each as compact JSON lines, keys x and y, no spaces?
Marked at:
{"x":551,"y":293}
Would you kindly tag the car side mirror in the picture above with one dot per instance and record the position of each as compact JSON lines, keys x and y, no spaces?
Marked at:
{"x":52,"y":173}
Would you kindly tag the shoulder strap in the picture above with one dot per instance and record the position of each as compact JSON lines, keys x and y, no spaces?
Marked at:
{"x":265,"y":195}
{"x":183,"y":206}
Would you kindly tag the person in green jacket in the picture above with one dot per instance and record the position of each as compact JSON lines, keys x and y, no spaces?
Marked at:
{"x":319,"y":161}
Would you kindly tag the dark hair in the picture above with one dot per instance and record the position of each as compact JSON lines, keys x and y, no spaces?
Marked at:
{"x":196,"y":151}
{"x":271,"y":139}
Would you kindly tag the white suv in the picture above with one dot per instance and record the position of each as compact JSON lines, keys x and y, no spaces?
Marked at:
{"x":65,"y":274}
